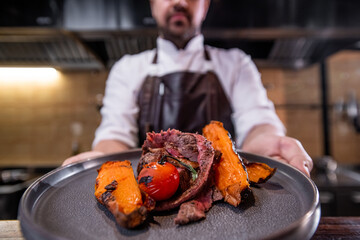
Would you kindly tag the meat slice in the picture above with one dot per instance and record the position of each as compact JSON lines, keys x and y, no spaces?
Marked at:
{"x":192,"y":146}
{"x":175,"y":142}
{"x":195,"y":210}
{"x":152,"y":155}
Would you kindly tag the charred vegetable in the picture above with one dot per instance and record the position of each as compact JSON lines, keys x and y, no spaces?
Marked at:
{"x":159,"y":179}
{"x":230,"y":173}
{"x":117,"y":189}
{"x":259,"y":172}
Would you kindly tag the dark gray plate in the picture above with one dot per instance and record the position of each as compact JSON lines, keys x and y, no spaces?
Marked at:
{"x":61,"y":205}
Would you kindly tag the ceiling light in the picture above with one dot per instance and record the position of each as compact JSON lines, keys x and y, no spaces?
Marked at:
{"x":28,"y":74}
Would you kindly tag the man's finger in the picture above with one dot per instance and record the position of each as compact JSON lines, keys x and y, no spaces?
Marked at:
{"x":81,"y":157}
{"x":294,"y":153}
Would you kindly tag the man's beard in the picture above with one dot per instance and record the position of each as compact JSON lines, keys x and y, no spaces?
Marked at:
{"x":184,"y":35}
{"x":180,"y":31}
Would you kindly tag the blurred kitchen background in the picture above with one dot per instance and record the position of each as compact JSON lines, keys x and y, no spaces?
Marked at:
{"x":306,"y":50}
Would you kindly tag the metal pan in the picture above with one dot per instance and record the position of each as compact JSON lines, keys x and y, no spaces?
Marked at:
{"x":61,"y":205}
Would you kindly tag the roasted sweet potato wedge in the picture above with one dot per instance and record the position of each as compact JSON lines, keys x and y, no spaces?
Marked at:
{"x":230,"y":173}
{"x":259,"y":172}
{"x":117,"y":189}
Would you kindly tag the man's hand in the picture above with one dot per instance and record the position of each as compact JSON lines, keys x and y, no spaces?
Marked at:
{"x":103,"y":147}
{"x":82,"y":157}
{"x":267,"y":141}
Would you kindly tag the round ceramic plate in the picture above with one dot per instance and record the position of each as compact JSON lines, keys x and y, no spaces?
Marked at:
{"x":62,"y":205}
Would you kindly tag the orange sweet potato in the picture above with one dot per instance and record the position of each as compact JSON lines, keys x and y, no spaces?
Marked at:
{"x":259,"y":172}
{"x":230,"y":173}
{"x":117,"y":189}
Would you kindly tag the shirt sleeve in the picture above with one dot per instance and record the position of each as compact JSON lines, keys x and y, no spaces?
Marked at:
{"x":119,"y":111}
{"x":251,"y":106}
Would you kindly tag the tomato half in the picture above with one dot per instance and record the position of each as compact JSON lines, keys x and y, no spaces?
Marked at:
{"x":159,"y":180}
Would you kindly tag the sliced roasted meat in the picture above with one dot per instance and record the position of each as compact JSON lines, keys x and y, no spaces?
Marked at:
{"x":189,"y":146}
{"x":194,"y":210}
{"x":152,"y":155}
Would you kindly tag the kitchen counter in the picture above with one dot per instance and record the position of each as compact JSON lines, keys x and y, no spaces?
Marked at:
{"x":329,"y":228}
{"x":10,"y":229}
{"x":338,"y":228}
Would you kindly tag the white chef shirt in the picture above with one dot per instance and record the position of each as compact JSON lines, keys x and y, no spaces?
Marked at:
{"x":237,"y":73}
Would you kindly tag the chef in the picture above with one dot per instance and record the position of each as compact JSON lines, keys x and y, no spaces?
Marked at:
{"x":185,"y":84}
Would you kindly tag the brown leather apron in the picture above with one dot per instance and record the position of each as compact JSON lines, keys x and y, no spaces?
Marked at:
{"x":186,"y":101}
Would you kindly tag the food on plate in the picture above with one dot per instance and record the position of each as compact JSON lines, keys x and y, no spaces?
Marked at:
{"x":193,"y":156}
{"x":178,"y":170}
{"x":231,"y":177}
{"x":159,"y":179}
{"x":117,"y":189}
{"x":187,"y":148}
{"x":259,"y":172}
{"x":194,"y":210}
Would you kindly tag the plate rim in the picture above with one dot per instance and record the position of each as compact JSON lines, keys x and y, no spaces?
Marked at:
{"x":26,"y":219}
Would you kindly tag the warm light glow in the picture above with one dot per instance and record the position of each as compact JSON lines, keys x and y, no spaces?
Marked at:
{"x":15,"y":75}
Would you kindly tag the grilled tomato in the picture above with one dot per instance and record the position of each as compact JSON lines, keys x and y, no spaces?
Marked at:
{"x":159,"y":180}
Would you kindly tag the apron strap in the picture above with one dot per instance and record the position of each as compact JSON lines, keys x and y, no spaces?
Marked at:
{"x":154,"y":61}
{"x":208,"y":63}
{"x":206,"y":54}
{"x":153,"y":65}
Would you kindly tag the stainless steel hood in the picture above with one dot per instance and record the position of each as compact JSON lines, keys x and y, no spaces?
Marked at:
{"x":92,"y":34}
{"x":45,"y":47}
{"x":287,"y":47}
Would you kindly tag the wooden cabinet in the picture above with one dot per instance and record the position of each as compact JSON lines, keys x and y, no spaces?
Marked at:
{"x":297,"y":98}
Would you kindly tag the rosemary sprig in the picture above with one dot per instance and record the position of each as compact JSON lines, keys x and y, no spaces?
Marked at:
{"x":194,"y":174}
